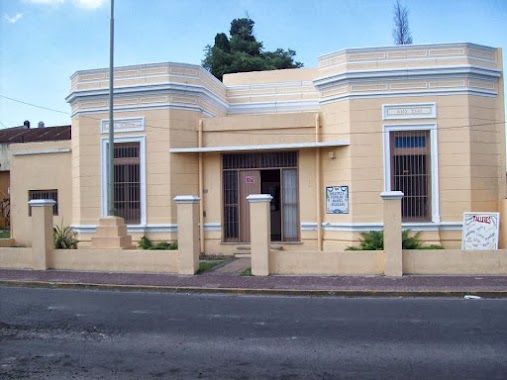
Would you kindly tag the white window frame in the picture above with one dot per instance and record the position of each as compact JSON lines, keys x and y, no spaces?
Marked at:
{"x":142,"y":165}
{"x":432,"y":128}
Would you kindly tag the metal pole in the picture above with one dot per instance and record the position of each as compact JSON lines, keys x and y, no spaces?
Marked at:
{"x":110,"y":187}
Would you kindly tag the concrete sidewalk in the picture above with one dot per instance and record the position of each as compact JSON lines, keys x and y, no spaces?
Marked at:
{"x":455,"y":286}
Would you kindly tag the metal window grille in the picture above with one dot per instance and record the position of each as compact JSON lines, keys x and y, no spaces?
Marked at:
{"x":127,"y":182}
{"x":43,"y":194}
{"x":410,"y":173}
{"x":260,"y":160}
{"x":231,"y":206}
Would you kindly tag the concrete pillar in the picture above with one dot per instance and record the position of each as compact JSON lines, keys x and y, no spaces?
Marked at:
{"x":42,"y":232}
{"x":188,"y":233}
{"x":260,"y":232}
{"x":393,"y":265}
{"x":502,"y":209}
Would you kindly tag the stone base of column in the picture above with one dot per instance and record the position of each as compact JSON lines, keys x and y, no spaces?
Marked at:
{"x":112,"y":233}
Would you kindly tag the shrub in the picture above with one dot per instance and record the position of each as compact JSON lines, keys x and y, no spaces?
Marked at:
{"x":64,"y":237}
{"x":374,"y":241}
{"x":145,"y":243}
{"x":410,"y":242}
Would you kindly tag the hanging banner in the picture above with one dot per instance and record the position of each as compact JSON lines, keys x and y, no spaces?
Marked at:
{"x":480,"y":230}
{"x":337,"y":199}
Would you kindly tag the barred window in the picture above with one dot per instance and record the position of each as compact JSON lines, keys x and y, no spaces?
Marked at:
{"x":127,"y":182}
{"x":43,"y":194}
{"x":411,"y":174}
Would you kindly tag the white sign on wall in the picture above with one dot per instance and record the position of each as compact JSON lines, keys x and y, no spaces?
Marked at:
{"x":337,"y":199}
{"x":480,"y":230}
{"x":409,"y":111}
{"x":126,"y":124}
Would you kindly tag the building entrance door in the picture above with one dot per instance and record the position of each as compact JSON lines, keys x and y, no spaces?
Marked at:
{"x":266,"y":173}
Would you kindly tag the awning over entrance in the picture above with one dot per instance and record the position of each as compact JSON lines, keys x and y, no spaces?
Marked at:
{"x":245,"y":148}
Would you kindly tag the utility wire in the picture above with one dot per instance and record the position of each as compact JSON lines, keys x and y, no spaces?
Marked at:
{"x":260,"y":132}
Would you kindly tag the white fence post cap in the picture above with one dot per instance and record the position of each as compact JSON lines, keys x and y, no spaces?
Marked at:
{"x":187,"y":199}
{"x":256,"y":198}
{"x":41,"y":202}
{"x":386,"y":195}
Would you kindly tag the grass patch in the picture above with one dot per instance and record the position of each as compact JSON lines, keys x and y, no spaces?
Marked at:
{"x":205,"y":266}
{"x":246,"y":272}
{"x":5,"y":234}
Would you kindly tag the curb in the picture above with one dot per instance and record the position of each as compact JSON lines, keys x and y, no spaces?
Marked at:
{"x":266,"y":292}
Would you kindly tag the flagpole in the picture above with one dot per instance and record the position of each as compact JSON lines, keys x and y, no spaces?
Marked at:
{"x":110,"y":187}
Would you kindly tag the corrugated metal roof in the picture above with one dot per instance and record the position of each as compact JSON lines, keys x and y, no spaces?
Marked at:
{"x":25,"y":135}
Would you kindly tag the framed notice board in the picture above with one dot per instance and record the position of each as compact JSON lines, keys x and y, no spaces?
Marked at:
{"x":480,"y":230}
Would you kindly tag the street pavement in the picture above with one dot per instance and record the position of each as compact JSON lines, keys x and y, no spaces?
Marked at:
{"x":220,"y":281}
{"x":85,"y":334}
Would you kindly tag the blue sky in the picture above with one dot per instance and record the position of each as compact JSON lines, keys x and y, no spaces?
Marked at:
{"x":43,"y":42}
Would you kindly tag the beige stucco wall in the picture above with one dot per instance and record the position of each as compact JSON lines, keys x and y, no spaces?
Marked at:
{"x":15,"y":258}
{"x":39,"y":166}
{"x":454,"y":262}
{"x":327,"y":263}
{"x":111,"y":260}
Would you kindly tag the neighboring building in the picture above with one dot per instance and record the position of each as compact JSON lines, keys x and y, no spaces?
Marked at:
{"x":324,"y":141}
{"x":21,"y":135}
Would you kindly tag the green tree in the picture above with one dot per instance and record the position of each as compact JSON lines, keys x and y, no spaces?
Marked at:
{"x":242,"y":52}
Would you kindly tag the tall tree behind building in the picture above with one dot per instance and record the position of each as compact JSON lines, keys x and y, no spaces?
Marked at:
{"x":242,"y":52}
{"x":401,"y":29}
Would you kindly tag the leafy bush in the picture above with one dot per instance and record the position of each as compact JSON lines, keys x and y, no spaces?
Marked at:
{"x":145,"y":243}
{"x":64,"y":237}
{"x":410,"y":242}
{"x":374,"y":241}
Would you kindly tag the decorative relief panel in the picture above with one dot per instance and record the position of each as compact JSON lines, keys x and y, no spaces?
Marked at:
{"x":126,"y":124}
{"x":409,"y":111}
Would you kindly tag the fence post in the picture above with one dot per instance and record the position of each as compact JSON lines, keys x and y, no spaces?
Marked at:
{"x":188,"y":233}
{"x":42,"y":232}
{"x":393,"y":265}
{"x":260,"y":232}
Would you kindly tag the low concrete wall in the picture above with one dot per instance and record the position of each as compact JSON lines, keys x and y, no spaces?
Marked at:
{"x":327,"y":263}
{"x":15,"y":258}
{"x":115,"y":260}
{"x":454,"y":262}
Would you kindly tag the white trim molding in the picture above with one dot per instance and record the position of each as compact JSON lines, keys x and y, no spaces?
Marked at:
{"x":309,"y":226}
{"x":142,"y":165}
{"x":432,"y":128}
{"x":217,"y":227}
{"x":365,"y":227}
{"x":49,"y":151}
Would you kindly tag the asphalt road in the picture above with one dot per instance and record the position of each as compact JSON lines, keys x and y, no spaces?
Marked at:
{"x":89,"y":334}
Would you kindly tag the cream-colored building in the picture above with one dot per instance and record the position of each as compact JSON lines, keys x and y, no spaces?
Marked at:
{"x":324,"y":142}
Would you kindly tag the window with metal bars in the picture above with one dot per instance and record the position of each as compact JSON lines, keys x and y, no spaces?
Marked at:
{"x":127,"y":182}
{"x":410,"y":173}
{"x":43,"y":194}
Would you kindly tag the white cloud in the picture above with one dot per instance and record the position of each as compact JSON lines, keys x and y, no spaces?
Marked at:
{"x":47,"y":2}
{"x":13,"y":19}
{"x":83,"y":4}
{"x":89,"y":4}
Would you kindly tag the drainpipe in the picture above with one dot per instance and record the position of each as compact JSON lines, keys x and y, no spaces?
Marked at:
{"x":201,"y":184}
{"x":317,"y":187}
